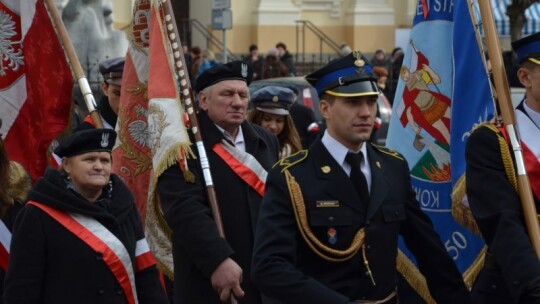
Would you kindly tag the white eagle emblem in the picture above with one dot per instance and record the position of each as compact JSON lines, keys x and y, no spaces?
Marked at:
{"x":244,"y":71}
{"x":104,"y":140}
{"x":138,"y":130}
{"x":9,"y":54}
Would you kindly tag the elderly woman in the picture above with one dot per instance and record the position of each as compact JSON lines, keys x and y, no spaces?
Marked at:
{"x":272,"y":104}
{"x":79,"y":237}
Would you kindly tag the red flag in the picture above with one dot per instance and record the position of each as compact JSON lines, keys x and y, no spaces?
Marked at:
{"x":35,"y":83}
{"x":132,"y":155}
{"x":168,"y":137}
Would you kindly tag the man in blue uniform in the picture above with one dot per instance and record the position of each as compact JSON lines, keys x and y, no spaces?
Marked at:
{"x":511,"y":272}
{"x":331,"y":216}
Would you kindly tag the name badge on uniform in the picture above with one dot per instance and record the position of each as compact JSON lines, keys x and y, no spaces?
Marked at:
{"x":327,"y":204}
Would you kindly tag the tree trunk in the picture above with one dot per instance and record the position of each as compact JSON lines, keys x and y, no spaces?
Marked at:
{"x":516,"y":14}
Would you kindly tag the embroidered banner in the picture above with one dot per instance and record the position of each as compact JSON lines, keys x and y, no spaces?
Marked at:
{"x":442,"y":94}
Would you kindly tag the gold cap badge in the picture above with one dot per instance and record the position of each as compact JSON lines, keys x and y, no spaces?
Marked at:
{"x":275,"y":98}
{"x":359,"y":62}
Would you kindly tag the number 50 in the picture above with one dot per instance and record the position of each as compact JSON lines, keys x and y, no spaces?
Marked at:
{"x":453,"y":245}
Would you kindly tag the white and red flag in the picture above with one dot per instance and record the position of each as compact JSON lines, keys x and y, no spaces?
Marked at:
{"x":152,"y":134}
{"x":131,"y":154}
{"x":169,"y":139}
{"x":35,"y":83}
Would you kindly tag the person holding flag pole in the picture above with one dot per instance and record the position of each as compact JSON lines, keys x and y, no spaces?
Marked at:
{"x":503,"y":185}
{"x":201,"y":211}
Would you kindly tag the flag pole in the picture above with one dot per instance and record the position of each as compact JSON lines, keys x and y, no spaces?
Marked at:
{"x":187,"y":99}
{"x":74,"y":63}
{"x":509,"y":120}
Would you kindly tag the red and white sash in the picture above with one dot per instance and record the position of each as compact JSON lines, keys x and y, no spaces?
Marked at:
{"x":100,"y":239}
{"x":5,"y":243}
{"x":243,"y":164}
{"x":529,"y":134}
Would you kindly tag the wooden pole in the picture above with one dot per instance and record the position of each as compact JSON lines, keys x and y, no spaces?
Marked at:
{"x":73,"y":60}
{"x":188,"y":102}
{"x":507,"y":113}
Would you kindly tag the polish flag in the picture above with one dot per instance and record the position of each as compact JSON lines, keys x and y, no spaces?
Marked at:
{"x":35,"y":83}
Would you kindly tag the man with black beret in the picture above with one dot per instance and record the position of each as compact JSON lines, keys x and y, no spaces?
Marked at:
{"x":511,"y":272}
{"x":111,"y":70}
{"x":331,"y":215}
{"x":207,"y":268}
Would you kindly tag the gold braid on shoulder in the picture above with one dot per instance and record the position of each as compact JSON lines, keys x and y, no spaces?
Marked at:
{"x":506,"y":157}
{"x":323,"y":251}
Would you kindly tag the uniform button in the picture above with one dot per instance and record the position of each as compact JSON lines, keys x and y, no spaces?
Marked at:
{"x":119,"y":292}
{"x":101,"y":291}
{"x":396,"y":213}
{"x":516,"y":283}
{"x":331,"y":218}
{"x":368,"y":222}
{"x":368,"y":247}
{"x":99,"y":257}
{"x":493,"y":286}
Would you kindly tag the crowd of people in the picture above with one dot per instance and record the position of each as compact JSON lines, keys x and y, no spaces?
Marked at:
{"x":301,"y":223}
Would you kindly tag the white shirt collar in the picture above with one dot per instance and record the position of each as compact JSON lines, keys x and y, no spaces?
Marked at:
{"x":535,"y":116}
{"x":339,"y":151}
{"x":238,"y":141}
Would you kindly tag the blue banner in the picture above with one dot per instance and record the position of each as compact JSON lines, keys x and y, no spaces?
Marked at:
{"x":442,"y":94}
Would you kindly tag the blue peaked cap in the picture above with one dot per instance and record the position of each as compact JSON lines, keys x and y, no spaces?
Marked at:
{"x":348,"y":76}
{"x":527,"y":47}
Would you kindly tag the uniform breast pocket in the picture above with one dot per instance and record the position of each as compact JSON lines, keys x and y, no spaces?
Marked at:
{"x":394,"y":213}
{"x":325,"y":217}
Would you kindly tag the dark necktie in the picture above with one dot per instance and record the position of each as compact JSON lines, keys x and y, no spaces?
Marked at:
{"x":357,"y":177}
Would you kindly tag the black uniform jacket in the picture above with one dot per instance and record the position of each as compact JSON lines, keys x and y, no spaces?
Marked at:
{"x":303,"y":117}
{"x":107,"y":115}
{"x":197,"y":247}
{"x":285,"y":268}
{"x":49,"y":264}
{"x":512,"y":269}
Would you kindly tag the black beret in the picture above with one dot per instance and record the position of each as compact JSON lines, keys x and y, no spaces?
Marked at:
{"x":273,"y":99}
{"x":234,"y":70}
{"x":89,"y":140}
{"x":112,"y":70}
{"x":527,"y":48}
{"x":348,"y":76}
